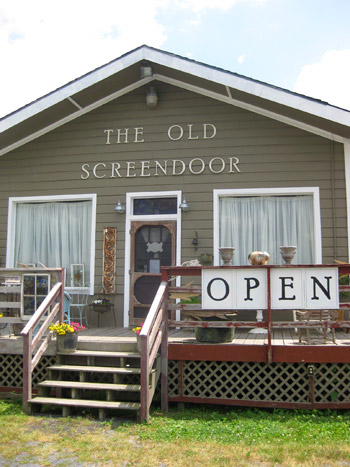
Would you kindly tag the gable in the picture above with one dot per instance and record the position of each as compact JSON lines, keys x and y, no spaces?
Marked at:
{"x":122,"y":76}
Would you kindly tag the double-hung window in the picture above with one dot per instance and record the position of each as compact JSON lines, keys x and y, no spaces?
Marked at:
{"x":265,"y":219}
{"x":55,"y":231}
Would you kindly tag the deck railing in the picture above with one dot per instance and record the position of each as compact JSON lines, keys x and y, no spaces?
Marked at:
{"x":154,"y":332}
{"x":35,"y":329}
{"x":154,"y":336}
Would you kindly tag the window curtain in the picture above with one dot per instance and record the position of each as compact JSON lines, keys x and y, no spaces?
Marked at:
{"x":265,"y":223}
{"x":54,"y":234}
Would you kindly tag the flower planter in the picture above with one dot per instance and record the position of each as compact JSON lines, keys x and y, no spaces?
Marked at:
{"x":214,"y":335}
{"x":101,"y":308}
{"x":67,"y":343}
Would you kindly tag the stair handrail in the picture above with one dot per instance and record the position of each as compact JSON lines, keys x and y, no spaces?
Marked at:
{"x":38,"y":326}
{"x":154,"y":335}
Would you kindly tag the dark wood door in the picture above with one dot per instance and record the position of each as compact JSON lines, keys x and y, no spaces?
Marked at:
{"x":153,"y":244}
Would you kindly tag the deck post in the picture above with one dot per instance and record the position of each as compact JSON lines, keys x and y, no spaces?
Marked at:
{"x":164,"y":349}
{"x":144,"y":396}
{"x":27,"y":371}
{"x":61,"y":298}
{"x":269,"y":341}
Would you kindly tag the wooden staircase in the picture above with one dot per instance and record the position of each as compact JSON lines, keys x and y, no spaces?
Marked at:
{"x":105,"y":380}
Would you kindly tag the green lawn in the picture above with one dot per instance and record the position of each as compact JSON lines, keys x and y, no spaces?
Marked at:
{"x":203,"y":436}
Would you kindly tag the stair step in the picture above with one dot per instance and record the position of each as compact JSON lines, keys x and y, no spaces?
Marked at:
{"x":86,"y":385}
{"x":96,"y":369}
{"x":86,"y":403}
{"x":102,"y":353}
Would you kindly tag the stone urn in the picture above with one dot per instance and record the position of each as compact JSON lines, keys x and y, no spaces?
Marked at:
{"x":288,"y":253}
{"x":226,"y":254}
{"x":258,"y":258}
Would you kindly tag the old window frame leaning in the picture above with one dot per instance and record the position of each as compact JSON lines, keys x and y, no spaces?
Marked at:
{"x":11,"y":226}
{"x":292,"y":191}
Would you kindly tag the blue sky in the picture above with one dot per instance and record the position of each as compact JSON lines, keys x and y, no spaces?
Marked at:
{"x":300,"y":45}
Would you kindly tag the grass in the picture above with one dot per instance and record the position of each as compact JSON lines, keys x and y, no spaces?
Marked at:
{"x":193,"y":437}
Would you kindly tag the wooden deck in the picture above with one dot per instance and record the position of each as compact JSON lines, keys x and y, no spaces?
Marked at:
{"x":283,"y":336}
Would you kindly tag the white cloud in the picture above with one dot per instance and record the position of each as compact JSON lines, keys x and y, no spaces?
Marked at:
{"x":44,"y":44}
{"x":328,"y":79}
{"x":201,"y":5}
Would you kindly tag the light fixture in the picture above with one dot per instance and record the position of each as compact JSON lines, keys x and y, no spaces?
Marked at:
{"x":120,"y":208}
{"x":151,"y":97}
{"x":146,"y":70}
{"x":184,"y":206}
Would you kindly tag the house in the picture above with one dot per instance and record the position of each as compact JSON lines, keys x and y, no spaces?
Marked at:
{"x":154,"y":159}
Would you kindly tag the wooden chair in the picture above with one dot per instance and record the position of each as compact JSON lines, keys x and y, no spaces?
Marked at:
{"x":323,"y":317}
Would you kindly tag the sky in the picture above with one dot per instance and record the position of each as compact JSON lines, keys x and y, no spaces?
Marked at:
{"x":299,"y":45}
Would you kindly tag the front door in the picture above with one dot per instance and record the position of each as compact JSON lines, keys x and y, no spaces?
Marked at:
{"x":152,"y":246}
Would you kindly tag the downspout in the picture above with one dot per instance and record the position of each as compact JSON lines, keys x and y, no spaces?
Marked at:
{"x":347,"y":188}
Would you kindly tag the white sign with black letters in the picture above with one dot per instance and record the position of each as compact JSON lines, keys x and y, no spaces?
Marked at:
{"x":291,"y":288}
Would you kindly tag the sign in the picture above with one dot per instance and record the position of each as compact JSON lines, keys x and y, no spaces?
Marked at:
{"x":291,"y":288}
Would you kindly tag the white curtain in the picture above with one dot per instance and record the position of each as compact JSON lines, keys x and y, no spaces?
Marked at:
{"x":55,"y":234}
{"x":265,"y":223}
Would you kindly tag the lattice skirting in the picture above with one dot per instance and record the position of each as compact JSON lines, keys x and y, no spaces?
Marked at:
{"x":251,"y":381}
{"x":11,"y":370}
{"x":236,"y":381}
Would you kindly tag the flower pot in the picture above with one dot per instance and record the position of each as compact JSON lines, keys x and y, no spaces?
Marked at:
{"x":67,"y":343}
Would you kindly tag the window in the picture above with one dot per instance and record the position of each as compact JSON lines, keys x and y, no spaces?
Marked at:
{"x":251,"y":220}
{"x":53,"y":231}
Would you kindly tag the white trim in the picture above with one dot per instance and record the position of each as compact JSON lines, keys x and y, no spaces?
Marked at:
{"x":53,"y":198}
{"x":130,"y":217}
{"x":74,"y":115}
{"x":227,"y":79}
{"x":201,"y":70}
{"x":314,"y":191}
{"x":253,"y":108}
{"x":188,"y":87}
{"x":347,"y":189}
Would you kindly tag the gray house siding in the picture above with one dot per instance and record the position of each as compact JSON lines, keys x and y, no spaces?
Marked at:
{"x":271,"y":154}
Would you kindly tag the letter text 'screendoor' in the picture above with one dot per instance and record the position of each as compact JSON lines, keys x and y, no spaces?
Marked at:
{"x":152,"y":246}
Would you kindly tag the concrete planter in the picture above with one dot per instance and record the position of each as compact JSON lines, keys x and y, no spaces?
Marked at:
{"x":67,"y":343}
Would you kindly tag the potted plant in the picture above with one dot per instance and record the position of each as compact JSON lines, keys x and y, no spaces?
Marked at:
{"x":66,"y":336}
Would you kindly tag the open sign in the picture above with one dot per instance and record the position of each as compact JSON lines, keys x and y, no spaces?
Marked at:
{"x":291,"y":288}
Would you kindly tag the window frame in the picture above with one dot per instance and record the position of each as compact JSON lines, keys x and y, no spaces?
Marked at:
{"x":313,"y":191}
{"x":11,"y":225}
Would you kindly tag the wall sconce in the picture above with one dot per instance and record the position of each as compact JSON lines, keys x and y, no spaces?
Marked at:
{"x":151,"y":97}
{"x":184,"y":206}
{"x":120,"y":208}
{"x":146,"y":70}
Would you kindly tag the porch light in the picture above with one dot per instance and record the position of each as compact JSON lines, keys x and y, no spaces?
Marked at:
{"x":120,"y":208}
{"x":151,"y":97}
{"x":146,"y":70}
{"x":184,"y":206}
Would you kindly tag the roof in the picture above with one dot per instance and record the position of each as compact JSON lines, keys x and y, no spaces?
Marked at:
{"x":122,"y":75}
